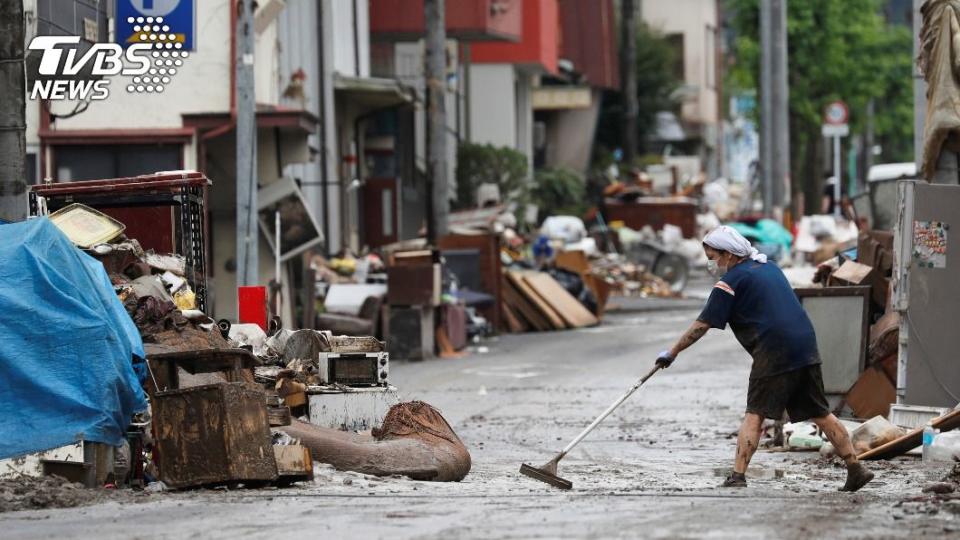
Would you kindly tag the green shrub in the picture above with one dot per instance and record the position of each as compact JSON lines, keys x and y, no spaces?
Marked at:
{"x":559,"y":191}
{"x":484,"y":163}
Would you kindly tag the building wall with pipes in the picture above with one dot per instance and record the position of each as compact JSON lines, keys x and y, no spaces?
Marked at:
{"x":202,"y":85}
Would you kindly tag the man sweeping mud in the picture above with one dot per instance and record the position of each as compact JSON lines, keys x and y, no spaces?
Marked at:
{"x":755,"y":299}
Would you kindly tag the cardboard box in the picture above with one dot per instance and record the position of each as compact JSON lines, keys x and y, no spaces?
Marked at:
{"x":853,"y":273}
{"x":872,"y":394}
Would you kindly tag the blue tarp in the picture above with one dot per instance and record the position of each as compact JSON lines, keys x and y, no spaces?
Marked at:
{"x":66,"y":345}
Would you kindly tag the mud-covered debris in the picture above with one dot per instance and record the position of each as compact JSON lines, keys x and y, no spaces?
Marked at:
{"x":954,"y":475}
{"x":940,"y":488}
{"x":35,"y":493}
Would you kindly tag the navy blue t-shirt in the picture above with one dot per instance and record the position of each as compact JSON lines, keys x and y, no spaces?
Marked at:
{"x":756,"y":300}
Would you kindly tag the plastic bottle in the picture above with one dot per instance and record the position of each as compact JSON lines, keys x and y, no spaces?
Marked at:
{"x":929,"y":435}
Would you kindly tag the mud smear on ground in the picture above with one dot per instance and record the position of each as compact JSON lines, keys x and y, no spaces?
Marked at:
{"x":33,"y":493}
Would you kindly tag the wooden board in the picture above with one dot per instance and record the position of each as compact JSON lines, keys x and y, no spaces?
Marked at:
{"x":278,"y":416}
{"x":872,"y":394}
{"x":573,"y":313}
{"x":947,"y":422}
{"x":519,"y":282}
{"x":601,"y":291}
{"x":293,"y":462}
{"x":524,"y":307}
{"x":513,"y":323}
{"x":574,"y":261}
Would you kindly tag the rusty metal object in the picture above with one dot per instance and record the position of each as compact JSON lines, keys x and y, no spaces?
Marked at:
{"x":231,"y":362}
{"x":213,"y":434}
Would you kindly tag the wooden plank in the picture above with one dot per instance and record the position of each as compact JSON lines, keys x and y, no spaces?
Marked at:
{"x":601,"y":291}
{"x":892,"y":449}
{"x":574,"y":261}
{"x":514,"y":324}
{"x":531,"y":296}
{"x":524,"y":308}
{"x":573,"y":313}
{"x":293,"y":462}
{"x":872,"y":394}
{"x":278,"y":416}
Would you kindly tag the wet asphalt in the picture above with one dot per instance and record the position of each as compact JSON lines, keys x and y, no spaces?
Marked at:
{"x":650,"y":471}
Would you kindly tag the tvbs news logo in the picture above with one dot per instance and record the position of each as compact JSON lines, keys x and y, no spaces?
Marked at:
{"x":149,"y":64}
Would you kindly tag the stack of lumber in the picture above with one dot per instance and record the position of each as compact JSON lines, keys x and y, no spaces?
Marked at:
{"x":534,"y":301}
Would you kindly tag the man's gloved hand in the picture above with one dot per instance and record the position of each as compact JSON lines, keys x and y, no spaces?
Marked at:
{"x":665,"y":359}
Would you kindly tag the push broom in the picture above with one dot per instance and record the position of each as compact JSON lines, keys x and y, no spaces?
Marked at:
{"x":548,"y":472}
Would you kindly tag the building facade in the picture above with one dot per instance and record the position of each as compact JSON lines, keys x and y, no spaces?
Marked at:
{"x":693,"y":29}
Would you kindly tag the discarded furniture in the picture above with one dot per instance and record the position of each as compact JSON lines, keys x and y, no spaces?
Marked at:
{"x":414,"y":285}
{"x":365,"y":323}
{"x":453,"y":323}
{"x":840,"y":320}
{"x":213,"y":434}
{"x":927,"y":293}
{"x":410,"y":332}
{"x":350,"y":409}
{"x":655,"y":212}
{"x":488,"y":245}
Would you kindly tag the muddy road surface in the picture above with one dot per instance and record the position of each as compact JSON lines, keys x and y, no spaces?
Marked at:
{"x":649,"y":471}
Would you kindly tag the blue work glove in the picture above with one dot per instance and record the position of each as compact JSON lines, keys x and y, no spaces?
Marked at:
{"x":665,"y":359}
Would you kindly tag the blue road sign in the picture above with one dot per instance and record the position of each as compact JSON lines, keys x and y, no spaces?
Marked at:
{"x":137,"y":22}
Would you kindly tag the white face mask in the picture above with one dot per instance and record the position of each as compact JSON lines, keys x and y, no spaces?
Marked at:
{"x":715,"y":269}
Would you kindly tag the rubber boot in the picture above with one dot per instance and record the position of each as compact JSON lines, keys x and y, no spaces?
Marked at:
{"x":857,"y":477}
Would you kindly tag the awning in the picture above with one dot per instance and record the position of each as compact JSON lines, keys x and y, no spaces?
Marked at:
{"x":371,"y":92}
{"x":294,"y":120}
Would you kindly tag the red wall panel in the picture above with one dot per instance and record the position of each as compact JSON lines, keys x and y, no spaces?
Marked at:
{"x":539,"y":44}
{"x":468,"y":20}
{"x":588,"y":38}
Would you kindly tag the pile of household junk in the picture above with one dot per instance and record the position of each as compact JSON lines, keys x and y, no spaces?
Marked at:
{"x":158,"y":394}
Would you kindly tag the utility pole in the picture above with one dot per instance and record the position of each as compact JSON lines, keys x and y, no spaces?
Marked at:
{"x":774,"y":106}
{"x":919,"y":90}
{"x":869,"y":140}
{"x":436,"y":67}
{"x":13,"y":94}
{"x":247,"y":257}
{"x":628,"y":79}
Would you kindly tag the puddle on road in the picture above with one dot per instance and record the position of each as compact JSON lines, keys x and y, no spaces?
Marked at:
{"x":757,"y":473}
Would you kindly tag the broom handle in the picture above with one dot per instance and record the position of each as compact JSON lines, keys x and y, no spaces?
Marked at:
{"x":609,"y":410}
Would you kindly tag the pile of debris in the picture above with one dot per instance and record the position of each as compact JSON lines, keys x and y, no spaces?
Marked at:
{"x":629,"y":279}
{"x":221,"y":394}
{"x":536,"y":301}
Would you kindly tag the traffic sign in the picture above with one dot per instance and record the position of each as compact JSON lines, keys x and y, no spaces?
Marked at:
{"x":841,"y":130}
{"x":144,"y":21}
{"x":836,"y":113}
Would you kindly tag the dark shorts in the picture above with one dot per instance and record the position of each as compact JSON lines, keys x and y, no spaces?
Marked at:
{"x":799,"y":392}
